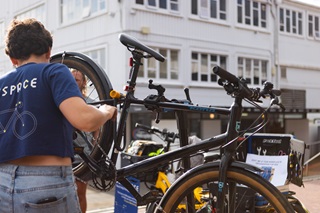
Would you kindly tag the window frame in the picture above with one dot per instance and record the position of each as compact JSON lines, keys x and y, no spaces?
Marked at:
{"x":100,"y":60}
{"x":315,"y":32}
{"x":86,"y":10}
{"x":29,"y":13}
{"x":205,"y":13}
{"x":283,"y":21}
{"x":251,"y":81}
{"x":144,"y":4}
{"x":204,"y":74}
{"x":157,"y":66}
{"x":241,"y":6}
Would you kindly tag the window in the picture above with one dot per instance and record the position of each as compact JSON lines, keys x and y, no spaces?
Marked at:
{"x":253,"y":70}
{"x":283,"y":72}
{"x":214,"y":9}
{"x":202,"y":64}
{"x":290,"y":21}
{"x":313,"y":26}
{"x":252,"y":13}
{"x":36,"y":12}
{"x":167,"y":70}
{"x":172,"y":5}
{"x":73,"y":10}
{"x":98,"y":56}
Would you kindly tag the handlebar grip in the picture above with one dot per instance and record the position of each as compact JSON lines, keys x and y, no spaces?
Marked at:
{"x":142,"y":126}
{"x":225,"y":74}
{"x":149,"y":129}
{"x":115,"y":94}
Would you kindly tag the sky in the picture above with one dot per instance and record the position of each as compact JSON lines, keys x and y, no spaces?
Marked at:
{"x":315,"y":2}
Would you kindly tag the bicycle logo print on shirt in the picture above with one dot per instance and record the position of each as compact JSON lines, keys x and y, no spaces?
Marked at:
{"x":19,"y":121}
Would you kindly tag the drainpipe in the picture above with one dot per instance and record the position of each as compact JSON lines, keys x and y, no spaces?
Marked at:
{"x":276,"y":65}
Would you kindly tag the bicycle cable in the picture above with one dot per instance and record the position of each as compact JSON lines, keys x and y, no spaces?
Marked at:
{"x":258,"y":127}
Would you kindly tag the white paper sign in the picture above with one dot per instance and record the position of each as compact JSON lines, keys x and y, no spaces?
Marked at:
{"x":275,"y":167}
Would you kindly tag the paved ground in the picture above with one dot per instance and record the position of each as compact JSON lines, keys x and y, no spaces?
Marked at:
{"x":102,"y":202}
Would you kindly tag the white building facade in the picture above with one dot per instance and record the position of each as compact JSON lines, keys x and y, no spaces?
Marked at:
{"x":260,"y":40}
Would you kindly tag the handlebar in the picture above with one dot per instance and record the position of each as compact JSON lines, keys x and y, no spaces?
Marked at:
{"x":154,"y":130}
{"x":225,"y":74}
{"x":238,"y":87}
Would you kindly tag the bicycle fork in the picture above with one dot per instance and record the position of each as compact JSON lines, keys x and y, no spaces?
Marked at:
{"x":222,"y":187}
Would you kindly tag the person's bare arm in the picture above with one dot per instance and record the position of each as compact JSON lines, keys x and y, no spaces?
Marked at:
{"x":86,"y":117}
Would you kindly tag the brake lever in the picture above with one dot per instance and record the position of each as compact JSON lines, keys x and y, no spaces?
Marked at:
{"x":157,"y":119}
{"x":275,"y":101}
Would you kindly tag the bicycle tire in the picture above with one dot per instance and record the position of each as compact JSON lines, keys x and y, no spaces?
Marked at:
{"x":206,"y":174}
{"x":298,"y":206}
{"x":99,"y":86}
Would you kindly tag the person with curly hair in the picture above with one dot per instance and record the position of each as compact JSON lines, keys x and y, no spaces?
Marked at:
{"x":41,"y":105}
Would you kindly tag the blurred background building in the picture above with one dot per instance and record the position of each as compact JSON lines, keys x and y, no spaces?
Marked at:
{"x":259,"y":40}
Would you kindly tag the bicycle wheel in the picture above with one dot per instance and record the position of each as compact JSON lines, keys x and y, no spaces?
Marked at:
{"x":201,"y":184}
{"x":98,"y":88}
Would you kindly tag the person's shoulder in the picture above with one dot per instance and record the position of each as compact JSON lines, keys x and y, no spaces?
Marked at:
{"x":55,"y":68}
{"x":8,"y":74}
{"x":55,"y":65}
{"x":46,"y":66}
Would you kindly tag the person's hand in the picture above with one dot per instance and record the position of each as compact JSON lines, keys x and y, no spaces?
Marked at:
{"x":110,"y":110}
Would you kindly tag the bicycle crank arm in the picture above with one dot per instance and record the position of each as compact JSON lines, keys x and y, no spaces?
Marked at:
{"x":92,"y":164}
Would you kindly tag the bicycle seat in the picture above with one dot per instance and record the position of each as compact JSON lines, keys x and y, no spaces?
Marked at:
{"x":132,"y":42}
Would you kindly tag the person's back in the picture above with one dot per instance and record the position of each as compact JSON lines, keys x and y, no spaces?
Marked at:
{"x":40,"y":106}
{"x":29,"y":104}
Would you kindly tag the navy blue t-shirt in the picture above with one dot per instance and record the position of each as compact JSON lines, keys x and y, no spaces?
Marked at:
{"x":30,"y":120}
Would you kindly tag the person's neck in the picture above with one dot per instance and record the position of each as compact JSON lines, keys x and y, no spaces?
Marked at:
{"x":33,"y":59}
{"x":44,"y":58}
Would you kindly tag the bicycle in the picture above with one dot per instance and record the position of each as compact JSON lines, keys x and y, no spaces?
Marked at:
{"x":19,"y":116}
{"x":159,"y":178}
{"x":219,"y":179}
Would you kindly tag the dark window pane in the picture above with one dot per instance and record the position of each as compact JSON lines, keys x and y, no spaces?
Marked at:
{"x":194,"y":7}
{"x":247,"y":8}
{"x":223,"y":5}
{"x":288,"y":20}
{"x":239,"y":14}
{"x":194,"y":76}
{"x":204,"y":78}
{"x":152,"y":2}
{"x":213,"y":57}
{"x":213,"y":9}
{"x":255,"y":18}
{"x":213,"y":77}
{"x":194,"y":56}
{"x":163,"y":4}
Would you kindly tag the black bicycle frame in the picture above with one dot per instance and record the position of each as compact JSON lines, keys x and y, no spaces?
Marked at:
{"x":185,"y":150}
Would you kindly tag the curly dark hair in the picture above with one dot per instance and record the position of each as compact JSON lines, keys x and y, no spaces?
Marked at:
{"x":27,"y":37}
